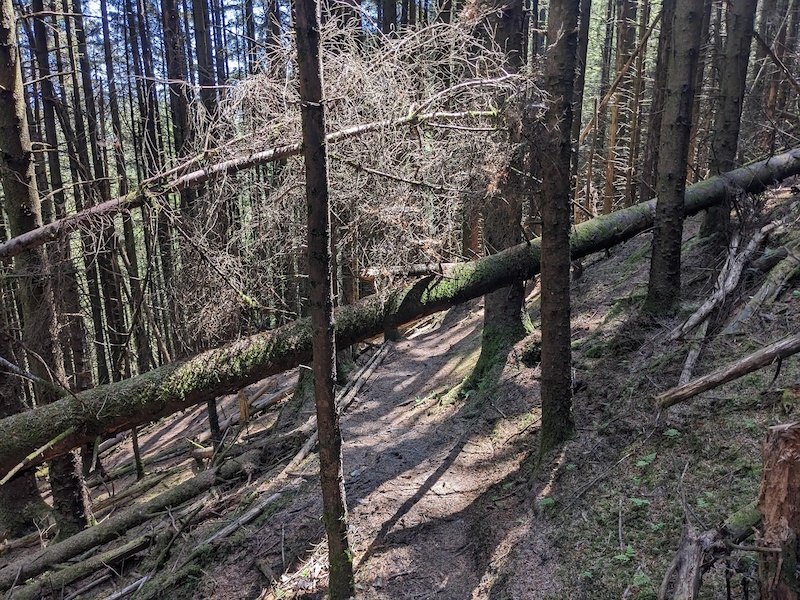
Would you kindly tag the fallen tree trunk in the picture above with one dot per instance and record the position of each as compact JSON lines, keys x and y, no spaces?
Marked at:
{"x":157,"y":186}
{"x":761,"y":358}
{"x":119,"y":524}
{"x":178,"y":385}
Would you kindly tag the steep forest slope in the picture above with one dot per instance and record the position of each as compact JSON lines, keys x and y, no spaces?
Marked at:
{"x":448,"y":498}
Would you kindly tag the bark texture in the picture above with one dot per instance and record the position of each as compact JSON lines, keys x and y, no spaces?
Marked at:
{"x":727,"y":120}
{"x":39,"y":327}
{"x":334,"y":506}
{"x":779,"y":504}
{"x":194,"y":380}
{"x":559,"y":79}
{"x":663,"y":292}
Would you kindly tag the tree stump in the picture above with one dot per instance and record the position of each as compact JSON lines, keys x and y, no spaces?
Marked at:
{"x":779,"y":504}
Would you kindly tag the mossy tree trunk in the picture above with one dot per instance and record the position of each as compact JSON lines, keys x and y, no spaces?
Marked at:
{"x":175,"y":386}
{"x":663,"y":292}
{"x":320,"y":278}
{"x":559,"y":79}
{"x":40,"y":326}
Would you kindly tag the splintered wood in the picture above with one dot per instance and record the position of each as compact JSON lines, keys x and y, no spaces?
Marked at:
{"x":779,"y":504}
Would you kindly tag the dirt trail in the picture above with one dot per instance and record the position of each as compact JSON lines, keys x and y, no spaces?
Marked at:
{"x":432,"y":482}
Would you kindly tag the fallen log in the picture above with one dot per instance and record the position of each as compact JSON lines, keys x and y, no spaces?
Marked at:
{"x":766,"y":356}
{"x":55,"y":582}
{"x":122,"y":405}
{"x":119,"y":524}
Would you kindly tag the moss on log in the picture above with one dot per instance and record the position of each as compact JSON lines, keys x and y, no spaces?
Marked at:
{"x":118,"y":525}
{"x":168,"y":389}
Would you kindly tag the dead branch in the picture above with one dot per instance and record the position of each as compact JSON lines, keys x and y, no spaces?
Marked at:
{"x":776,"y":280}
{"x":55,"y":581}
{"x":762,"y":358}
{"x":727,"y":280}
{"x":691,"y":559}
{"x":695,"y":348}
{"x":620,"y":77}
{"x":98,"y":215}
{"x":778,"y":62}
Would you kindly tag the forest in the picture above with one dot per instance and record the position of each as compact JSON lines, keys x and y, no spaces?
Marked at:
{"x":418,"y":299}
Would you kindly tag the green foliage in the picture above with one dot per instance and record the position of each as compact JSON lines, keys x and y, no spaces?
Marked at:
{"x":626,"y":556}
{"x":646,"y":460}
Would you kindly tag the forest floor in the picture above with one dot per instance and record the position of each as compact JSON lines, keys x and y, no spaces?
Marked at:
{"x":447,"y":495}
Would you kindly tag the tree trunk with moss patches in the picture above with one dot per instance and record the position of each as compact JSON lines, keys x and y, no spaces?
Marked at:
{"x":334,"y":506}
{"x":727,"y":120}
{"x":175,"y":386}
{"x":35,"y":286}
{"x":663,"y":292}
{"x":559,"y":79}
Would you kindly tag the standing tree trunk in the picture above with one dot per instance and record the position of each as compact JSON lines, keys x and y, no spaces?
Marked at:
{"x":40,"y":327}
{"x":205,"y":64}
{"x":727,"y":121}
{"x":663,"y":292}
{"x":559,"y":79}
{"x":647,"y":181}
{"x":580,"y":81}
{"x":334,"y":506}
{"x":505,"y":321}
{"x":20,"y":503}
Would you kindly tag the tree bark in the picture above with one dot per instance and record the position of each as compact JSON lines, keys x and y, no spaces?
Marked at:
{"x":504,"y":320}
{"x":559,"y":79}
{"x":177,"y":385}
{"x":727,"y":120}
{"x":39,"y":318}
{"x":647,"y":180}
{"x":663,"y":291}
{"x":334,"y":505}
{"x":779,"y":504}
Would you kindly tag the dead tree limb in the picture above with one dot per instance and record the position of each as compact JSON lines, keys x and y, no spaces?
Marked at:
{"x":149,"y":192}
{"x":776,"y":280}
{"x":727,"y":280}
{"x":748,"y":364}
{"x":113,"y":527}
{"x":688,"y":565}
{"x":117,"y":406}
{"x":56,"y":581}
